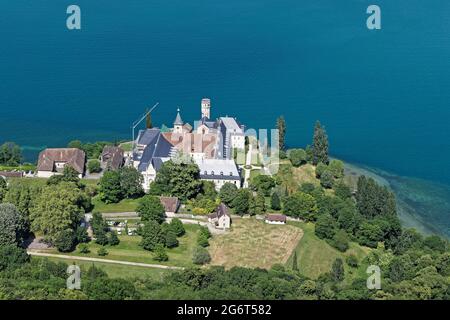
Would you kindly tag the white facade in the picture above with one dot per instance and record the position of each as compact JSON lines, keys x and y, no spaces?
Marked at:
{"x":274,"y":222}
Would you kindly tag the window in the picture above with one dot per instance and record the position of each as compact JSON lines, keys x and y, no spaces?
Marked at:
{"x":221,"y":173}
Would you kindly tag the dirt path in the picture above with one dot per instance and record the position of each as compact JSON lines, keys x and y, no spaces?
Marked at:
{"x":128,"y":263}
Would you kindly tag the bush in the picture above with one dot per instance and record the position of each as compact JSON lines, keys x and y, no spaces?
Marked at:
{"x":336,"y":167}
{"x":113,"y":239}
{"x":352,"y":261}
{"x":159,"y":253}
{"x":320,"y":169}
{"x":65,"y":241}
{"x":201,"y":256}
{"x":275,"y":202}
{"x":101,"y":238}
{"x":84,"y":248}
{"x":341,"y":190}
{"x":12,"y":257}
{"x":81,"y":235}
{"x":202,"y":240}
{"x":297,"y":157}
{"x":171,"y":239}
{"x":102,"y":252}
{"x":326,"y":179}
{"x":152,"y":235}
{"x":205,"y":231}
{"x":325,"y":227}
{"x":177,"y":227}
{"x":341,"y":241}
{"x":94,"y":166}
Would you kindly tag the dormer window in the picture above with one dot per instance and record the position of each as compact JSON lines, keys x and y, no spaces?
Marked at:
{"x":212,"y":172}
{"x":231,"y":174}
{"x":221,"y":173}
{"x":206,"y":172}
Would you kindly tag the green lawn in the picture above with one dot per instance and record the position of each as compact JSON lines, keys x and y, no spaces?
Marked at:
{"x":126,"y":146}
{"x":315,"y":256}
{"x":129,"y":250}
{"x":126,"y":205}
{"x":114,"y":270}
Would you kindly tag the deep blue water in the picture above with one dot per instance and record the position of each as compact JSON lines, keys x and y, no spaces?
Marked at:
{"x":382,"y":95}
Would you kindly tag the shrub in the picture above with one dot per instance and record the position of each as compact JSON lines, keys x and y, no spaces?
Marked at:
{"x":81,"y":235}
{"x":113,"y":239}
{"x":84,"y":248}
{"x":341,"y":241}
{"x":336,"y":167}
{"x":94,"y":166}
{"x":297,"y":157}
{"x":65,"y":241}
{"x":326,"y":179}
{"x":201,"y":256}
{"x":150,"y":208}
{"x":12,"y":257}
{"x":102,"y":252}
{"x":159,"y":253}
{"x":352,"y":261}
{"x":177,"y":227}
{"x":202,"y":240}
{"x":101,"y":238}
{"x":171,"y":239}
{"x":320,"y":169}
{"x":275,"y":202}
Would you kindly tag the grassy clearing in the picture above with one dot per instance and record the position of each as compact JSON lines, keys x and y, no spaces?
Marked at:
{"x":115,"y":270}
{"x":130,"y":250}
{"x":126,"y":146}
{"x":293,"y":177}
{"x":126,"y":205}
{"x":252,"y":243}
{"x":315,"y":256}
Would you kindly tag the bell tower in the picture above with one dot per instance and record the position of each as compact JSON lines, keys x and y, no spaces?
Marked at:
{"x":206,"y":108}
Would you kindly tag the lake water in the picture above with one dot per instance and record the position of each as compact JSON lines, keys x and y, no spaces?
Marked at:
{"x":382,"y":95}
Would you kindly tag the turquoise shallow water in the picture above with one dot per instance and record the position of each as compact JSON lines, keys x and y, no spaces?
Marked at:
{"x":383,"y":95}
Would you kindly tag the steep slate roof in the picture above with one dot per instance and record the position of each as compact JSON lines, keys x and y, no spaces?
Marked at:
{"x":71,"y":156}
{"x":221,"y":210}
{"x":147,"y":136}
{"x":170,"y":204}
{"x":178,"y":120}
{"x":156,"y":150}
{"x":113,"y":156}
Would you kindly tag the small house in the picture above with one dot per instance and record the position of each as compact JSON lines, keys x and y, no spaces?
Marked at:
{"x":221,"y":218}
{"x":53,"y":161}
{"x":112,"y":157}
{"x":170,"y":204}
{"x":275,"y":219}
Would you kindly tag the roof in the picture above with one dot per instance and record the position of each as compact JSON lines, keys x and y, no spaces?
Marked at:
{"x":193,"y":142}
{"x":147,"y":136}
{"x":178,"y":120}
{"x":221,"y":210}
{"x":11,"y":174}
{"x":159,"y":147}
{"x":71,"y":156}
{"x":231,"y":124}
{"x":112,"y":156}
{"x":276,"y":217}
{"x":220,"y":169}
{"x":170,"y":204}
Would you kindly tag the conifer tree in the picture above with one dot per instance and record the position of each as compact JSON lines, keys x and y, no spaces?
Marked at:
{"x":294,"y":262}
{"x":281,"y":126}
{"x":320,"y":145}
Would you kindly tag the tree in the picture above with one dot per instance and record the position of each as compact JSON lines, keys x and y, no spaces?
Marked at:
{"x":10,"y":154}
{"x":275,"y":202}
{"x":171,"y":239}
{"x":257,"y":205}
{"x":281,"y":126}
{"x":373,"y":200}
{"x":352,"y":261}
{"x":240,"y":203}
{"x":341,"y":190}
{"x":337,"y":270}
{"x":113,"y":239}
{"x":101,"y":238}
{"x":201,"y":256}
{"x":227,"y":193}
{"x":58,"y":208}
{"x":209,"y":190}
{"x":297,"y":157}
{"x":102,"y":252}
{"x":14,"y":225}
{"x":263,"y":183}
{"x":326,"y":180}
{"x":98,"y":223}
{"x":3,"y":188}
{"x":152,"y":235}
{"x":81,"y":235}
{"x":341,"y":241}
{"x":77,"y":144}
{"x":148,"y":120}
{"x":12,"y":257}
{"x":131,"y":182}
{"x":300,"y":205}
{"x":320,"y":145}
{"x":435,"y":243}
{"x":320,"y":169}
{"x":348,"y":219}
{"x":150,"y":208}
{"x":159,"y":253}
{"x":177,"y":227}
{"x":369,"y":234}
{"x":181,"y":179}
{"x":202,"y":240}
{"x":65,"y":241}
{"x":94,"y":166}
{"x":83,"y":248}
{"x":336,"y":167}
{"x":325,"y":227}
{"x":294,"y":261}
{"x":69,"y":175}
{"x":110,"y":188}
